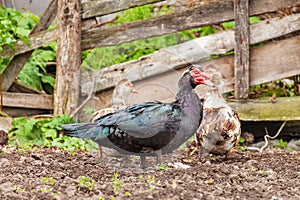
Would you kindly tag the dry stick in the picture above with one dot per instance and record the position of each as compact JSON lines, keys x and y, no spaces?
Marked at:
{"x":267,"y":137}
{"x":86,"y":100}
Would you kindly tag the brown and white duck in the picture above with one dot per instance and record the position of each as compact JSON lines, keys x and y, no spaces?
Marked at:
{"x":220,"y":128}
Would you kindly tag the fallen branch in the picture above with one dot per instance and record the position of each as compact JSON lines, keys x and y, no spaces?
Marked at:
{"x":267,"y":138}
{"x":105,"y":22}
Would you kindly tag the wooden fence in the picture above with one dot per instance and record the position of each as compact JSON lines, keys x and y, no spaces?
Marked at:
{"x":277,"y":59}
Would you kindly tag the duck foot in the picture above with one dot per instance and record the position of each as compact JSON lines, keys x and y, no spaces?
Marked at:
{"x":158,"y":154}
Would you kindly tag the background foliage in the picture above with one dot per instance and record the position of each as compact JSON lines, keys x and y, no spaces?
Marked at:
{"x":46,"y":132}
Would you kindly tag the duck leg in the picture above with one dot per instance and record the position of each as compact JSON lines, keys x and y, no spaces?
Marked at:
{"x":158,"y":154}
{"x":100,"y":152}
{"x":143,"y":161}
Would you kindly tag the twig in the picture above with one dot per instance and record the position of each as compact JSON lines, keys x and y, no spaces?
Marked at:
{"x":104,"y":22}
{"x":87,"y":99}
{"x":267,"y":137}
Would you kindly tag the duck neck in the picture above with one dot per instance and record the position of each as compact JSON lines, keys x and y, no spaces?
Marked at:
{"x":118,"y":99}
{"x":214,"y":99}
{"x":187,"y":98}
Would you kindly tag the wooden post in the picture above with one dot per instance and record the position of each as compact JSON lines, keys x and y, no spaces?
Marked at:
{"x":17,"y":63}
{"x":241,"y":63}
{"x":68,"y":57}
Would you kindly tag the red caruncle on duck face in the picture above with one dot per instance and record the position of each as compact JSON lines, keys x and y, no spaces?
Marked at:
{"x":200,"y":77}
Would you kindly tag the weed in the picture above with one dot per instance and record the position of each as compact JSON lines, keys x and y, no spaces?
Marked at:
{"x":48,"y":181}
{"x":281,"y":144}
{"x":86,"y":182}
{"x":162,"y":166}
{"x":46,"y":190}
{"x":127,"y":194}
{"x":28,"y":133}
{"x":18,"y":188}
{"x":241,"y":143}
{"x":117,"y":183}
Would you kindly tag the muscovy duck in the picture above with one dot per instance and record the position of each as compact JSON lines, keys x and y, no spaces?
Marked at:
{"x":122,"y":89}
{"x":146,"y":128}
{"x":220,"y":129}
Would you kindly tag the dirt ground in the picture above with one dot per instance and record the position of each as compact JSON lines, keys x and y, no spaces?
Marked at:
{"x":50,"y":173}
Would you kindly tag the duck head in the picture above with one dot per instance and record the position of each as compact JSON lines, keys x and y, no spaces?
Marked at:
{"x":199,"y":76}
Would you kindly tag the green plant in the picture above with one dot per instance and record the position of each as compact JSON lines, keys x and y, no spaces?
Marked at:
{"x":88,"y":110}
{"x":117,"y":183}
{"x":46,"y":190}
{"x":162,"y":166}
{"x":86,"y":182}
{"x":45,"y":132}
{"x":241,"y":142}
{"x":14,"y":25}
{"x":35,"y":73}
{"x":19,"y":189}
{"x":231,"y":24}
{"x":127,"y":194}
{"x":48,"y":181}
{"x":281,"y":144}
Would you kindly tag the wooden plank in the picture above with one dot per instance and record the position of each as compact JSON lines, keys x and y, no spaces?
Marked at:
{"x":195,"y":17}
{"x":68,"y":56}
{"x":5,"y":123}
{"x":269,"y":56}
{"x":285,"y":109}
{"x":21,"y":112}
{"x":17,"y":63}
{"x":100,"y":7}
{"x":190,"y":52}
{"x":241,"y":50}
{"x":23,"y":100}
{"x":207,"y":14}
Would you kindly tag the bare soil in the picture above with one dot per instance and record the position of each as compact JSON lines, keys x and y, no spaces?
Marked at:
{"x":51,"y":173}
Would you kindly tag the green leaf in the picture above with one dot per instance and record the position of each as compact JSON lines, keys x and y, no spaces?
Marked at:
{"x":35,"y":18}
{"x":228,"y":25}
{"x":254,"y":19}
{"x":49,"y":133}
{"x":24,"y":39}
{"x":48,"y":79}
{"x":31,"y":76}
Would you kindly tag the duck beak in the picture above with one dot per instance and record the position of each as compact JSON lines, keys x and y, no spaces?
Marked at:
{"x":133,"y":90}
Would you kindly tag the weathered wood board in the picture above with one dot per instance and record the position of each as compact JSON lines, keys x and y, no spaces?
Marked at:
{"x":284,"y":109}
{"x":241,"y":50}
{"x":68,"y":57}
{"x":199,"y":49}
{"x":23,"y":100}
{"x":100,"y":7}
{"x":5,"y":123}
